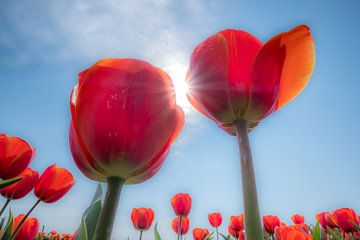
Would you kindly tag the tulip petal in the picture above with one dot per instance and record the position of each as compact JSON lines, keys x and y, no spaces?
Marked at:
{"x":298,"y":65}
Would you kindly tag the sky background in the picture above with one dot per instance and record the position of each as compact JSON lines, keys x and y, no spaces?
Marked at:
{"x":306,"y":155}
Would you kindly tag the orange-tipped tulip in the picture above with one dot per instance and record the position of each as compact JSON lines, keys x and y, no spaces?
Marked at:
{"x":181,"y":203}
{"x":142,"y":218}
{"x":330,"y":218}
{"x":21,"y":188}
{"x":345,"y":217}
{"x":200,"y":233}
{"x":185,"y":223}
{"x":232,"y":75}
{"x":215,"y":219}
{"x":237,"y":222}
{"x":15,"y":156}
{"x":53,"y":184}
{"x":291,"y":233}
{"x":124,"y":118}
{"x":270,"y":223}
{"x":297,"y":219}
{"x":28,"y":230}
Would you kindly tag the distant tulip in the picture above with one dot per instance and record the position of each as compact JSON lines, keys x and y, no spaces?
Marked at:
{"x":215,"y":219}
{"x":23,"y":187}
{"x":124,"y":119}
{"x":184,"y":225}
{"x":15,"y":156}
{"x":270,"y":223}
{"x":181,"y":203}
{"x":321,"y":218}
{"x":53,"y":184}
{"x":237,"y":222}
{"x":291,"y":233}
{"x":200,"y":233}
{"x":66,"y":236}
{"x":28,"y":230}
{"x":237,"y":81}
{"x":142,"y":218}
{"x":297,"y":219}
{"x":345,"y":217}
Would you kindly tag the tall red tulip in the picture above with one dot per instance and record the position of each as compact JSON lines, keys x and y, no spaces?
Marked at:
{"x":185,"y":223}
{"x":270,"y":223}
{"x":215,"y":220}
{"x":21,"y":188}
{"x":181,"y":203}
{"x":291,"y":233}
{"x":124,"y":118}
{"x":15,"y":156}
{"x":297,"y":219}
{"x":345,"y":217}
{"x":53,"y":184}
{"x":237,"y":81}
{"x":237,"y":222}
{"x":200,"y":233}
{"x":29,"y":229}
{"x":142,"y":219}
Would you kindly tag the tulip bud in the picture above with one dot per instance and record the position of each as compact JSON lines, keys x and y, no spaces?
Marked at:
{"x":237,"y":222}
{"x":15,"y":156}
{"x":181,"y":203}
{"x":200,"y":233}
{"x":28,"y":230}
{"x":142,"y":218}
{"x":53,"y":184}
{"x":215,"y":219}
{"x":297,"y":218}
{"x":184,"y":225}
{"x":270,"y":223}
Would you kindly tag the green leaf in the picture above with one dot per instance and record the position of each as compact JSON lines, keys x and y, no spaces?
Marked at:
{"x":91,"y":216}
{"x":334,"y":234}
{"x":5,"y":183}
{"x":9,"y":226}
{"x":209,"y":237}
{"x":156,"y":233}
{"x":355,"y":225}
{"x":225,"y":237}
{"x":316,"y":232}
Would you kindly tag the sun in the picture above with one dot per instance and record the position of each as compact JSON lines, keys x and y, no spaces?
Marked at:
{"x":177,"y":73}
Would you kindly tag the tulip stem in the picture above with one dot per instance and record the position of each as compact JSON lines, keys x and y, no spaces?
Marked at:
{"x":8,"y":200}
{"x":141,"y":233}
{"x":217,"y":233}
{"x":24,"y":219}
{"x":107,"y":216}
{"x":253,"y":227}
{"x":179,"y":228}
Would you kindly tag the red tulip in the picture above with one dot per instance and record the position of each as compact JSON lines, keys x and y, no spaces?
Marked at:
{"x":184,"y":225}
{"x":270,"y":223}
{"x":215,"y":219}
{"x":330,"y":218}
{"x":237,"y":222}
{"x":15,"y":156}
{"x":345,"y":217}
{"x":200,"y":233}
{"x":321,"y":218}
{"x":181,"y":203}
{"x":124,"y":119}
{"x":53,"y":184}
{"x":241,"y":235}
{"x":232,"y":75}
{"x":28,"y":230}
{"x":297,"y":219}
{"x":21,"y":188}
{"x":142,"y":218}
{"x":291,"y":233}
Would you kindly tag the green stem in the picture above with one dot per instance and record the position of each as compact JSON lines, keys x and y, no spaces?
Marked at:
{"x":217,"y":233}
{"x":23,"y":220}
{"x":5,"y":205}
{"x":107,"y":216}
{"x":141,"y":233}
{"x":253,"y":227}
{"x":179,"y":228}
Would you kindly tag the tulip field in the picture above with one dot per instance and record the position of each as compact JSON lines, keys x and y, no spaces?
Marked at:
{"x":124,"y":119}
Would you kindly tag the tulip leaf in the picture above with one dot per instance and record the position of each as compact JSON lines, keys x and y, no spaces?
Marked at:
{"x":209,"y":237}
{"x":357,"y":227}
{"x":156,"y":233}
{"x":90,"y":217}
{"x":333,"y":234}
{"x":225,"y":237}
{"x":5,"y":183}
{"x":9,"y":226}
{"x":316,"y":232}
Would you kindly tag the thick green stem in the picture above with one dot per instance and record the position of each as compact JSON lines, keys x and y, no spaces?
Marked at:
{"x":23,"y":220}
{"x":253,"y":228}
{"x":179,"y":228}
{"x":141,"y":233}
{"x":107,"y":216}
{"x":8,"y":200}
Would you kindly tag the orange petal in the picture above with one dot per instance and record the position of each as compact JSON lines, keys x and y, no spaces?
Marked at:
{"x":299,"y":63}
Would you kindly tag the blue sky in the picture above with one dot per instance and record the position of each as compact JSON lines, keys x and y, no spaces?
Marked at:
{"x":306,"y":155}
